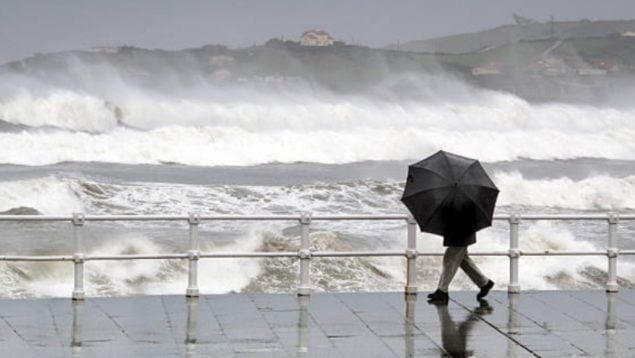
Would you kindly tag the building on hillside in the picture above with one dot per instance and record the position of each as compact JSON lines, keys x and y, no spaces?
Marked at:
{"x":316,"y":38}
{"x":587,"y":69}
{"x":550,"y":66}
{"x":105,"y":49}
{"x":492,"y":68}
{"x":591,"y":72}
{"x":221,"y":60}
{"x":628,"y":34}
{"x":537,"y":67}
{"x":608,"y":65}
{"x":555,"y":66}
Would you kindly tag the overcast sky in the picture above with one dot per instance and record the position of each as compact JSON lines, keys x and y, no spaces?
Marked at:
{"x":30,"y":26}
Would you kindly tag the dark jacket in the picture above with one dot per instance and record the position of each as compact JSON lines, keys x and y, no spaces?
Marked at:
{"x":459,"y":239}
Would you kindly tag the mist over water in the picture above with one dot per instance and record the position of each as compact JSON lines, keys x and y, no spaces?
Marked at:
{"x":88,"y":136}
{"x":103,"y":113}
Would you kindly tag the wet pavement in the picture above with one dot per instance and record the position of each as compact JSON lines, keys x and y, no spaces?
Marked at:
{"x":530,"y":324}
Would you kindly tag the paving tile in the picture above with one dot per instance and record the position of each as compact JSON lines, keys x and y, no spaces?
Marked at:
{"x":618,"y":306}
{"x":536,"y":323}
{"x":347,"y":332}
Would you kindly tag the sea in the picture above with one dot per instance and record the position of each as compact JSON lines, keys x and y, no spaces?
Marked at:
{"x":94,"y":139}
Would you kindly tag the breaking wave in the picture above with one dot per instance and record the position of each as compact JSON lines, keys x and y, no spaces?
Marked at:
{"x":275,"y":275}
{"x":52,"y":195}
{"x":43,"y":195}
{"x":253,"y":126}
{"x":96,"y":113}
{"x":592,"y":193}
{"x":57,"y":195}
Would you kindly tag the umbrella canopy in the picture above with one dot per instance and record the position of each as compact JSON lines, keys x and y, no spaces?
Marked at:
{"x":450,"y":195}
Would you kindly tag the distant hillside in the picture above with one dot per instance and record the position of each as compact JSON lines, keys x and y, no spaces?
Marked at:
{"x":547,"y":69}
{"x":340,"y":68}
{"x":510,"y":34}
{"x":577,"y":69}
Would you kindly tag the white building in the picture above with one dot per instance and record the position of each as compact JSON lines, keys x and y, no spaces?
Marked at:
{"x":316,"y":38}
{"x":492,"y":68}
{"x":105,"y":49}
{"x":221,"y":60}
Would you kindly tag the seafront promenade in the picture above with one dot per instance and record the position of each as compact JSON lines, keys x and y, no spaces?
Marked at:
{"x":305,"y":323}
{"x":529,"y":324}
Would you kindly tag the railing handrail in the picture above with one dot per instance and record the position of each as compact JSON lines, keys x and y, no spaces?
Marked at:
{"x":314,"y":217}
{"x":304,"y":254}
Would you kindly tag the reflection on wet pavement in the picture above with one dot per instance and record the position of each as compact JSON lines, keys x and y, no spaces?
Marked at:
{"x":530,"y":324}
{"x":454,"y":335}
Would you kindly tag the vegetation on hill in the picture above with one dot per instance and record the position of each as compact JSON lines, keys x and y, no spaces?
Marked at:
{"x":509,"y":34}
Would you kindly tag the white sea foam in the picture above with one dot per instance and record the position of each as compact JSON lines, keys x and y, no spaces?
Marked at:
{"x":535,"y":272}
{"x":105,"y":278}
{"x":370,"y":197}
{"x":57,"y":195}
{"x":280,"y":275}
{"x":62,"y":108}
{"x":165,"y":276}
{"x":94,"y":114}
{"x":47,"y":195}
{"x":217,"y":276}
{"x":300,"y":127}
{"x":593,"y":193}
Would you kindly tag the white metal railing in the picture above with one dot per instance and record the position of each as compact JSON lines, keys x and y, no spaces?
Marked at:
{"x":305,"y":254}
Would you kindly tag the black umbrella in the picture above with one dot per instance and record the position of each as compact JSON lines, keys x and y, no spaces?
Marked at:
{"x":450,"y":195}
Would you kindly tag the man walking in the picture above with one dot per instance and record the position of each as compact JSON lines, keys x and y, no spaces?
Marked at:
{"x":452,"y":195}
{"x":456,"y":256}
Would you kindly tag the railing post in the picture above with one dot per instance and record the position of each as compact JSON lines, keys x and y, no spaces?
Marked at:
{"x":514,"y":253}
{"x":411,"y":258}
{"x":612,"y":252}
{"x":78,"y":323}
{"x":191,"y":332}
{"x":192,"y":256}
{"x":78,"y":256}
{"x":304,"y":289}
{"x":303,"y":326}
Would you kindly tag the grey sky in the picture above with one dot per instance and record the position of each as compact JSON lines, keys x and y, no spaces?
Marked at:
{"x":30,"y":26}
